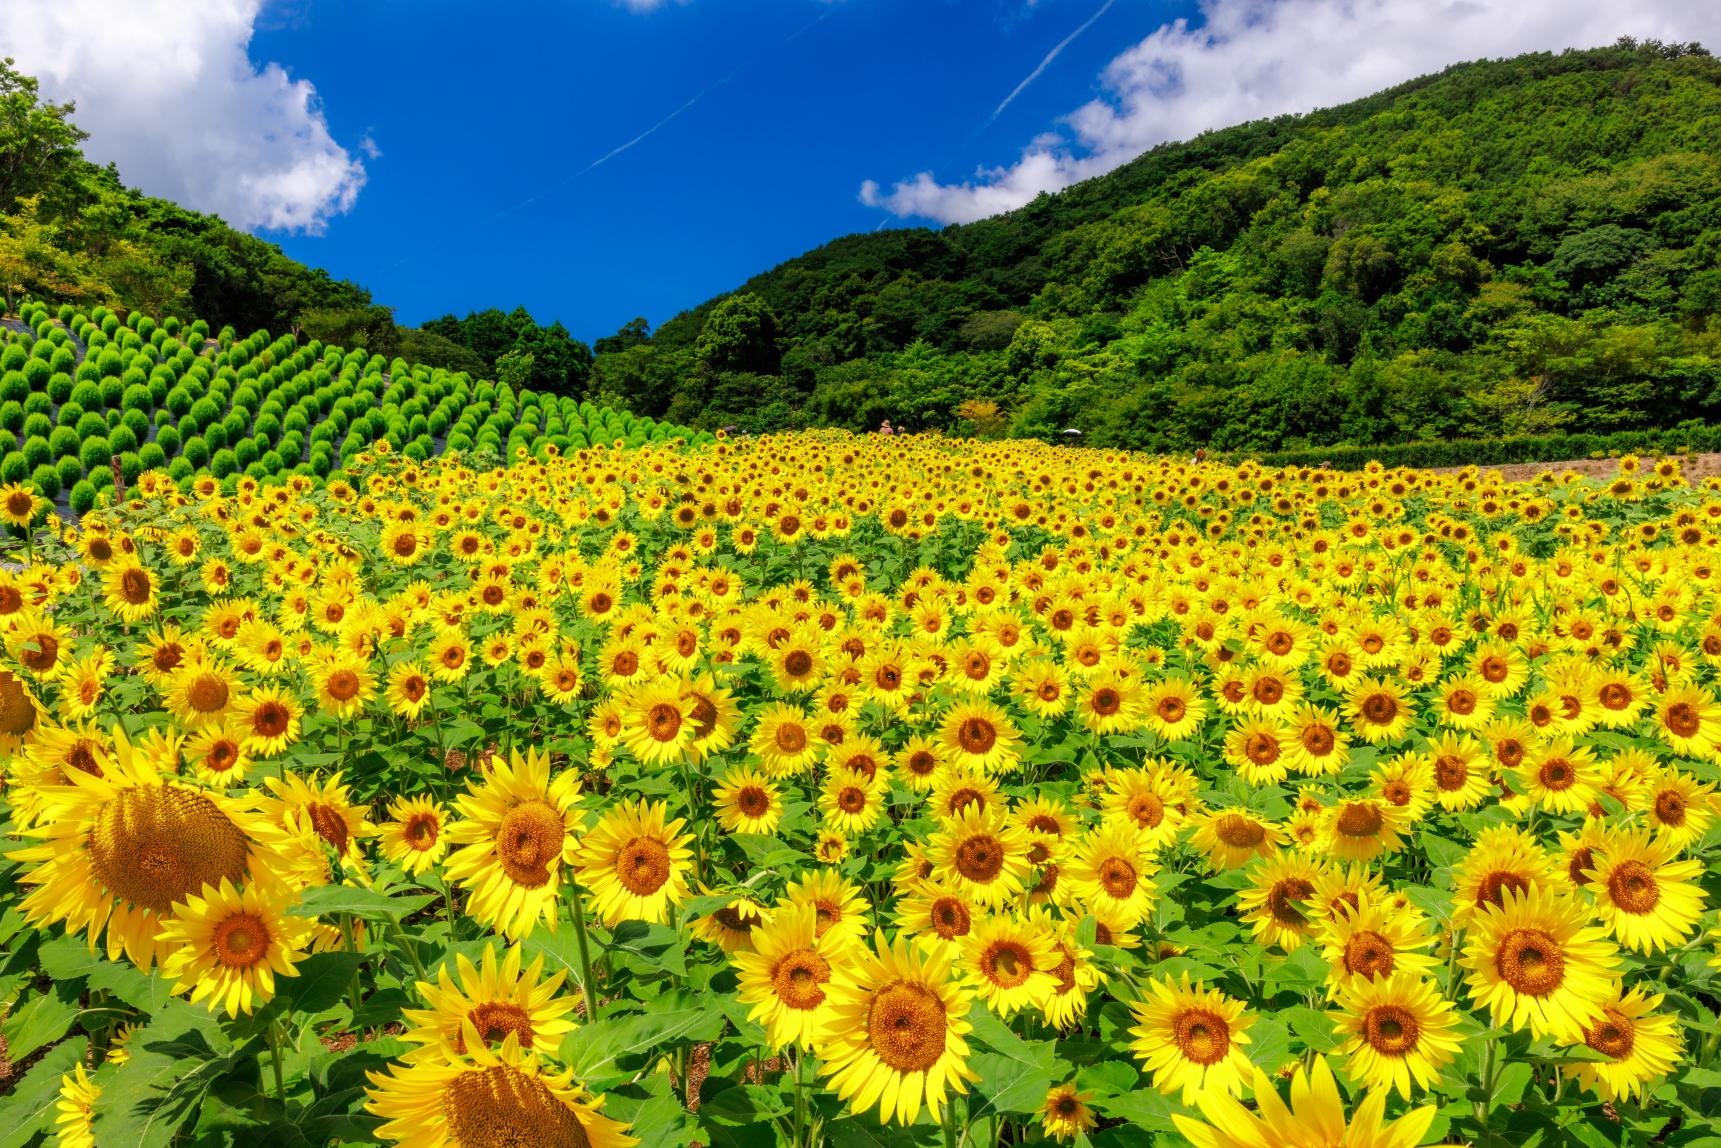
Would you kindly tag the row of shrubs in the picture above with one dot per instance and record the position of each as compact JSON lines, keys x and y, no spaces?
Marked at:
{"x":1495,"y":452}
{"x":78,"y":390}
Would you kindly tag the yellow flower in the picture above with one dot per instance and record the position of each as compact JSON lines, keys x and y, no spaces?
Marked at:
{"x":1009,"y":963}
{"x":228,"y":945}
{"x":1273,"y":902}
{"x":1232,"y":837}
{"x":493,"y":999}
{"x":1314,"y":1119}
{"x":1536,"y":962}
{"x":895,"y":1036}
{"x":983,"y":854}
{"x":488,"y":1097}
{"x":785,"y":979}
{"x":416,"y":836}
{"x":1065,"y":1114}
{"x":132,"y":591}
{"x":1191,"y":1039}
{"x":1397,"y":1030}
{"x":978,"y":734}
{"x":746,"y":801}
{"x":1648,"y":900}
{"x":117,"y":852}
{"x":519,"y":828}
{"x":1111,"y":874}
{"x":74,"y":1120}
{"x":1640,"y":1048}
{"x":635,"y":862}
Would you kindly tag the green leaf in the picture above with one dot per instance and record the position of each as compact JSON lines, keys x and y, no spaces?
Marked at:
{"x":1510,"y":1083}
{"x":739,"y":1104}
{"x":327,"y":900}
{"x":66,"y":958}
{"x":1300,"y":972}
{"x":29,"y":1108}
{"x":43,"y":1018}
{"x":596,"y":1051}
{"x":173,"y":1062}
{"x":1144,"y":1108}
{"x":322,"y":981}
{"x":144,"y":993}
{"x":1012,"y":1085}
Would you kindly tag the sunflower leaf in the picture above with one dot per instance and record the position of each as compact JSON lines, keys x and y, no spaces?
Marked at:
{"x":28,"y":1108}
{"x":41,"y":1019}
{"x":326,"y":900}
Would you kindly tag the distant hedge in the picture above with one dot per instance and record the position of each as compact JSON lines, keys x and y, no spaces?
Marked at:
{"x":1496,"y":452}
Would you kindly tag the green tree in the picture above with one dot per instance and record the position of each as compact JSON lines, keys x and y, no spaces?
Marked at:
{"x":740,"y":334}
{"x":37,"y":137}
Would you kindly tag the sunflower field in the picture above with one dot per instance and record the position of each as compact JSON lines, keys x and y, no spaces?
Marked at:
{"x":864,"y":792}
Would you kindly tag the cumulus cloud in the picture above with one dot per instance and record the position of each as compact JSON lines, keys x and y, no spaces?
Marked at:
{"x":1246,"y":59}
{"x":168,"y":92}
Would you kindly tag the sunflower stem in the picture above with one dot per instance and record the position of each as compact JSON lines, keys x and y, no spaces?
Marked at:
{"x":950,"y":1124}
{"x":275,"y":1059}
{"x":348,"y":935}
{"x":1486,"y":1077}
{"x":406,"y":947}
{"x":585,"y":955}
{"x":797,"y":1058}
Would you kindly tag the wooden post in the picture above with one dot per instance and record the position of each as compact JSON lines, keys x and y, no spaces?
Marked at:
{"x":119,"y":480}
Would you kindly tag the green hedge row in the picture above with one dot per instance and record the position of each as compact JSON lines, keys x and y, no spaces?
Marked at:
{"x":1499,"y":451}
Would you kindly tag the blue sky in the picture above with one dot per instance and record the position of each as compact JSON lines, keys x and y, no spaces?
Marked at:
{"x":454,"y":156}
{"x":484,"y":126}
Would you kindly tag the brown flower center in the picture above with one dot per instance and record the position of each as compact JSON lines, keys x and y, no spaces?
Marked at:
{"x":1530,"y":961}
{"x":503,"y":1107}
{"x":1201,"y":1035}
{"x":907,"y":1026}
{"x":1633,"y":887}
{"x":530,"y":840}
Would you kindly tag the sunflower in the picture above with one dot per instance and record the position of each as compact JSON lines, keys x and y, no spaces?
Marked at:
{"x":1314,"y":1119}
{"x":785,"y":977}
{"x":218,"y":754}
{"x":1009,"y":962}
{"x":1397,"y":1030}
{"x":488,"y":1097}
{"x":1361,"y":829}
{"x":657,"y":726}
{"x":936,"y":913}
{"x":1680,"y":808}
{"x":1688,"y":719}
{"x":983,"y":854}
{"x":715,"y":716}
{"x":492,"y":999}
{"x":415,"y":836}
{"x":783,"y":739}
{"x":1191,"y":1039}
{"x":1110,"y":704}
{"x":635,"y":862}
{"x":344,"y":683}
{"x":1501,"y":858}
{"x":228,"y":945}
{"x":1537,"y":962}
{"x":38,"y":644}
{"x":1173,"y":709}
{"x":268,"y":717}
{"x":1065,"y":1114}
{"x":957,"y":788}
{"x":918,"y":762}
{"x":978,"y":735}
{"x":746,"y":801}
{"x":731,"y":926}
{"x":303,"y":809}
{"x":1559,"y":776}
{"x":117,"y":852}
{"x":1640,"y":1046}
{"x":839,"y":906}
{"x":1315,"y":743}
{"x":1648,"y":900}
{"x":1272,"y":903}
{"x":19,"y":504}
{"x":1112,"y":875}
{"x":1379,"y":710}
{"x":1255,"y":747}
{"x":850,"y":803}
{"x":1232,"y":837}
{"x":408,"y":689}
{"x":519,"y":827}
{"x":1373,"y":940}
{"x":74,"y":1120}
{"x":1043,"y":687}
{"x":19,"y":711}
{"x":450,"y":655}
{"x":1460,"y":778}
{"x":895,"y":1035}
{"x":132,"y":591}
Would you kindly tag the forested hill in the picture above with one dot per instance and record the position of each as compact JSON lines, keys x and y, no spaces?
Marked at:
{"x":1510,"y":246}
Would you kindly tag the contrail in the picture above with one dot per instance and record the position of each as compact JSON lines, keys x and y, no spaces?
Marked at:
{"x":606,"y":157}
{"x":1050,"y":56}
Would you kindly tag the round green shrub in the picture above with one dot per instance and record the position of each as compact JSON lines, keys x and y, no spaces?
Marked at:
{"x":63,"y":441}
{"x":179,"y":470}
{"x":46,"y":480}
{"x":92,"y":425}
{"x":121,"y":439}
{"x":138,"y":423}
{"x":14,"y":467}
{"x":13,"y":356}
{"x":216,"y":436}
{"x":59,"y":386}
{"x":38,"y":424}
{"x":95,"y":453}
{"x":224,"y":463}
{"x":168,"y":437}
{"x":245,"y":450}
{"x":83,"y":496}
{"x":12,"y":415}
{"x":112,"y":390}
{"x":38,"y":403}
{"x":70,"y":471}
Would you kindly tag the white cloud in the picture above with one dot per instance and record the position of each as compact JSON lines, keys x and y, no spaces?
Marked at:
{"x":1248,"y":59}
{"x":168,"y":92}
